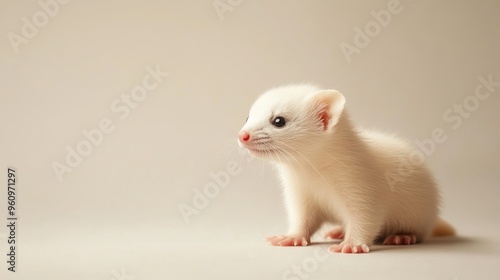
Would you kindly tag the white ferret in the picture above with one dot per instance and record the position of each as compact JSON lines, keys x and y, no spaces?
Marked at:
{"x":332,"y":172}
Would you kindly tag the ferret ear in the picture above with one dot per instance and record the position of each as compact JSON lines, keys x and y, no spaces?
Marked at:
{"x":328,"y":106}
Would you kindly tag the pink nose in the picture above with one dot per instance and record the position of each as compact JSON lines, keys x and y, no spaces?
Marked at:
{"x":243,"y":136}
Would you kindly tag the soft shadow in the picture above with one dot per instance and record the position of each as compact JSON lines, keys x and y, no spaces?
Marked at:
{"x":456,"y":244}
{"x":447,"y":240}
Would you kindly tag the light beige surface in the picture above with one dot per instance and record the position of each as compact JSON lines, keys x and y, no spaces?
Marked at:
{"x":116,"y":214}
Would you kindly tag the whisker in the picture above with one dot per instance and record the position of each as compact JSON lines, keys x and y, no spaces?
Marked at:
{"x":305,"y":158}
{"x":294,"y":171}
{"x":226,"y":149}
{"x":341,"y":163}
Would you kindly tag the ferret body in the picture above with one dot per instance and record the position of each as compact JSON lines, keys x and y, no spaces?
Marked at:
{"x":366,"y":182}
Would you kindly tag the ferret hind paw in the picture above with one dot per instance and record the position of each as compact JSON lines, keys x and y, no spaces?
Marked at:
{"x":337,"y":233}
{"x":292,"y":240}
{"x":349,"y":248}
{"x":400,"y":239}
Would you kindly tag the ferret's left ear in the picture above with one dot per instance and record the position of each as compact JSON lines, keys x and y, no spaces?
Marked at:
{"x":328,"y":105}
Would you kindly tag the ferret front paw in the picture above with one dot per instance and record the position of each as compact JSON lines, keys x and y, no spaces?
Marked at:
{"x":400,"y":239}
{"x":349,"y":247}
{"x":292,"y":240}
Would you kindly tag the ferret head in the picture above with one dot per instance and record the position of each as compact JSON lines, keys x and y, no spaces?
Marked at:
{"x":289,"y":121}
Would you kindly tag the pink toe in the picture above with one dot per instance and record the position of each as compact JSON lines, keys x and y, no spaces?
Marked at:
{"x":389,"y":240}
{"x":347,"y":249}
{"x":354,"y":249}
{"x":397,"y":240}
{"x":365,"y":248}
{"x":336,"y":248}
{"x":407,"y":240}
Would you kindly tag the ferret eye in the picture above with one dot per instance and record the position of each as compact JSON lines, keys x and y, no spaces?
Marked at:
{"x":279,"y":121}
{"x":246,"y":120}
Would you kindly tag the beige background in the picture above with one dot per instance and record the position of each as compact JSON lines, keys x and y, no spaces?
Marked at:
{"x":116,"y":215}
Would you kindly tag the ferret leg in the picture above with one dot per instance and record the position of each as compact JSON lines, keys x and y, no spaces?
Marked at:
{"x":299,"y":234}
{"x":359,"y":235}
{"x":304,"y":222}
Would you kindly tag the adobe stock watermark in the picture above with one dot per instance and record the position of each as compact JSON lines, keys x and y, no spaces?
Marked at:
{"x":121,"y":275}
{"x":372,"y":29}
{"x":223,"y":6}
{"x":454,"y":117}
{"x":122,"y":107}
{"x":30,"y":27}
{"x":308,"y":266}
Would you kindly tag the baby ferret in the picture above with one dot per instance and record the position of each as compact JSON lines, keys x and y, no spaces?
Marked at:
{"x":333,"y":172}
